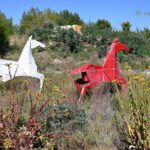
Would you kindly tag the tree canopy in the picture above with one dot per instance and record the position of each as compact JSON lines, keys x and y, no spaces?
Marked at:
{"x":6,"y":28}
{"x":126,"y":26}
{"x":103,"y":24}
{"x":34,"y":18}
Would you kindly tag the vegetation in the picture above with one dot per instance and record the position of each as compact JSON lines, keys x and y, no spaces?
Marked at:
{"x":103,"y":24}
{"x":69,"y":18}
{"x":6,"y":29}
{"x":35,"y":18}
{"x":126,"y":26}
{"x":133,"y":112}
{"x":52,"y":118}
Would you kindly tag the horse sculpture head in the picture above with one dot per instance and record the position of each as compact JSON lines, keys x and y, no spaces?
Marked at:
{"x":35,"y":43}
{"x":110,"y":60}
{"x":26,"y":55}
{"x":118,"y":46}
{"x":26,"y":62}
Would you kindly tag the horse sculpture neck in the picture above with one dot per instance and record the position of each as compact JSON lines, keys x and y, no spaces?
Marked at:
{"x":26,"y":59}
{"x":110,"y":60}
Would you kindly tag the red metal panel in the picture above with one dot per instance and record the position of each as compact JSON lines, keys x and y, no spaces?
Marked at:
{"x":94,"y":74}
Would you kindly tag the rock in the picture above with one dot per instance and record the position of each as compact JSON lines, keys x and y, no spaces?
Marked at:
{"x":147,"y":72}
{"x":57,"y":61}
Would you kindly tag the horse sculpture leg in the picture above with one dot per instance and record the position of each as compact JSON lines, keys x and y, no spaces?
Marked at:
{"x":81,"y":90}
{"x":85,"y":88}
{"x":78,"y":84}
{"x":123,"y":85}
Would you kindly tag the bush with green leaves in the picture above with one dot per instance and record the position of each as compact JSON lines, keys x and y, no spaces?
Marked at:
{"x":104,"y":40}
{"x":62,"y":116}
{"x":146,"y":33}
{"x":89,"y":33}
{"x":68,"y":18}
{"x":134,"y":41}
{"x":43,"y":34}
{"x":133,"y":114}
{"x":102,"y":24}
{"x":6,"y":28}
{"x":69,"y":38}
{"x":34,"y":18}
{"x":126,"y":26}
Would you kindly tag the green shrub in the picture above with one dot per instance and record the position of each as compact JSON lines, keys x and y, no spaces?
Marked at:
{"x":133,"y":113}
{"x":68,"y":18}
{"x":134,"y":41}
{"x":126,"y":26}
{"x":43,"y":34}
{"x":102,"y":24}
{"x":34,"y":18}
{"x":6,"y":29}
{"x":62,"y":116}
{"x":69,"y":38}
{"x":89,"y":33}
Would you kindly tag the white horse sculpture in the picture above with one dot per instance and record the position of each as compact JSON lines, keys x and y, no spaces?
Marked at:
{"x":25,"y":66}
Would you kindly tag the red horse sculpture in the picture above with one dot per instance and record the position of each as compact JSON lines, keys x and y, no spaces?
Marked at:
{"x":95,"y":74}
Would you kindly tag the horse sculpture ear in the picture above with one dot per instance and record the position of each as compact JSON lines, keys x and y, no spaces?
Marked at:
{"x":35,"y":43}
{"x":130,"y":50}
{"x":115,"y":40}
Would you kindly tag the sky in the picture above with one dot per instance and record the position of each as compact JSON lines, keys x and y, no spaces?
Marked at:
{"x":137,"y":12}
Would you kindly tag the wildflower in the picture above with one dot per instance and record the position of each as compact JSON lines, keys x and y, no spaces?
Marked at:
{"x":4,"y":116}
{"x":126,"y":66}
{"x":142,"y":79}
{"x":148,"y":90}
{"x":56,"y":89}
{"x":53,"y":114}
{"x":66,"y":113}
{"x":1,"y":125}
{"x":136,"y":77}
{"x":41,"y":137}
{"x":47,"y":79}
{"x":143,"y":84}
{"x":115,"y":81}
{"x":129,"y":83}
{"x":8,"y":143}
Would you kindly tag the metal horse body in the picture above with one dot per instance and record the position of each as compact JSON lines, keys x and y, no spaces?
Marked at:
{"x":95,"y":74}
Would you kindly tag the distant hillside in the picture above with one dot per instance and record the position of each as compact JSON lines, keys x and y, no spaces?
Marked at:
{"x":34,"y":18}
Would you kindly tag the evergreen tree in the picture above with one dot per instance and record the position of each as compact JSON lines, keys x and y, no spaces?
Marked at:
{"x":103,"y":24}
{"x":126,"y":26}
{"x":6,"y":28}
